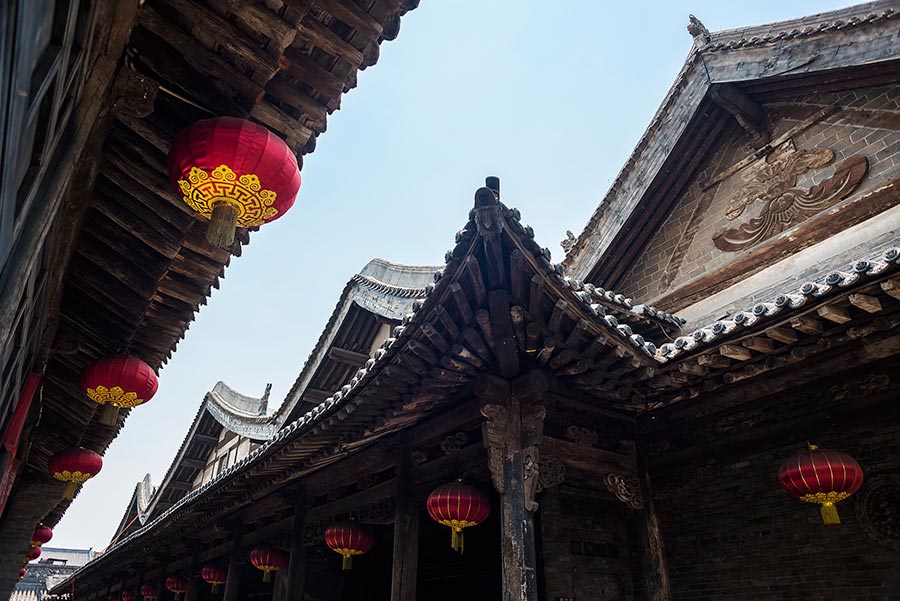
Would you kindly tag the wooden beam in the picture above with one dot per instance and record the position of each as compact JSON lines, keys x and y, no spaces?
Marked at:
{"x":233,"y":580}
{"x":348,"y":357}
{"x":867,"y":303}
{"x":296,"y":573}
{"x":891,"y":287}
{"x":589,"y":459}
{"x":758,"y":343}
{"x":784,"y":335}
{"x":807,"y":325}
{"x":834,"y":313}
{"x":406,"y":535}
{"x":739,"y":353}
{"x":654,"y":568}
{"x":744,"y":109}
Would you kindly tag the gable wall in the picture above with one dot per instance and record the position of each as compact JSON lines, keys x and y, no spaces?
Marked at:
{"x":683,"y":250}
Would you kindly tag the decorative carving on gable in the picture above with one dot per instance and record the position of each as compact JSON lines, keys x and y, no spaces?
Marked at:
{"x":454,"y":442}
{"x":552,"y":473}
{"x":772,"y":180}
{"x":582,"y":436}
{"x":878,"y":509}
{"x":861,"y":387}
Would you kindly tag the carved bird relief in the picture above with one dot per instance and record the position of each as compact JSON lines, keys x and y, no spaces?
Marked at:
{"x":773,"y":181}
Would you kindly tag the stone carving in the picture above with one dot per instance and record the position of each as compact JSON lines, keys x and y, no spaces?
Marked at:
{"x":878,"y":509}
{"x":626,"y":489}
{"x":454,"y":442}
{"x":696,"y":28}
{"x":861,"y":387}
{"x":773,"y":180}
{"x":582,"y":436}
{"x":569,"y":243}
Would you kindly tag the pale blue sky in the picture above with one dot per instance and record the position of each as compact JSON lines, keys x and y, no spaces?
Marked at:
{"x":550,"y":96}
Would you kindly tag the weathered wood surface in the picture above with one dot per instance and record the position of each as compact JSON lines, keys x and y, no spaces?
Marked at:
{"x":654,"y":568}
{"x":406,"y":534}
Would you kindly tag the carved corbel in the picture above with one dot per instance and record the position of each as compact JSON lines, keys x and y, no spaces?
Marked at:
{"x":494,"y":432}
{"x":532,"y":435}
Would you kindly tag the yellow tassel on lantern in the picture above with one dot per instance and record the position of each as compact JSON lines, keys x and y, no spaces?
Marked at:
{"x":267,"y":576}
{"x":830,"y":515}
{"x":347,"y":563}
{"x":69,"y":492}
{"x":457,"y":543}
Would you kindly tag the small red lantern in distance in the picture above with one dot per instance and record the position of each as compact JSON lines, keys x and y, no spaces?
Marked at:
{"x":118,"y":381}
{"x":348,"y":539}
{"x":41,"y":535}
{"x":127,"y":596}
{"x":458,"y":506}
{"x":234,"y":173}
{"x":149,"y":591}
{"x":177,"y":585}
{"x":823,"y":477}
{"x":33,"y":553}
{"x":74,"y":466}
{"x":21,"y":573}
{"x":268,"y":560}
{"x":214,"y":575}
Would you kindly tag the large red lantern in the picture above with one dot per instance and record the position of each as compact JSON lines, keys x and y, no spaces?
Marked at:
{"x":149,"y":592}
{"x":41,"y":535}
{"x":458,"y":506}
{"x":214,"y":575}
{"x":234,"y":173}
{"x":74,"y":466}
{"x":823,"y":477}
{"x":118,"y":381}
{"x":127,"y":596}
{"x":268,"y":560}
{"x":33,"y":553}
{"x":177,"y":585}
{"x":348,"y":539}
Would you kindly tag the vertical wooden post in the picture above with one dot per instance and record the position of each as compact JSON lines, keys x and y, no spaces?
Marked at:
{"x":655,"y":571}
{"x":193,"y":589}
{"x":512,"y":441}
{"x":233,"y":580}
{"x":296,"y":573}
{"x":406,"y":535}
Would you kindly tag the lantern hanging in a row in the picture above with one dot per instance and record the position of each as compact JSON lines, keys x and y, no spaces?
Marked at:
{"x":268,"y":560}
{"x":234,"y":173}
{"x":127,"y":596}
{"x":118,"y":381}
{"x":33,"y":553}
{"x":822,"y":477}
{"x":41,"y":535}
{"x":177,"y":585}
{"x":74,"y":466}
{"x":215,"y":575}
{"x":348,"y":539}
{"x":458,"y":506}
{"x":149,"y":592}
{"x":21,"y":573}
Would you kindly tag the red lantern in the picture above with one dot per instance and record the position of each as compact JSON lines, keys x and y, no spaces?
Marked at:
{"x":822,"y":477}
{"x":215,"y":575}
{"x":149,"y":591}
{"x":177,"y":585}
{"x":458,"y":506}
{"x":33,"y":553}
{"x":127,"y":596}
{"x":75,"y":466}
{"x":41,"y":535}
{"x":118,"y":381}
{"x":234,"y":173}
{"x":268,"y":560}
{"x":21,"y":573}
{"x":348,"y":539}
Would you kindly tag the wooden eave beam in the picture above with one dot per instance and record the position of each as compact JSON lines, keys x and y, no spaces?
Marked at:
{"x":586,"y":458}
{"x":347,"y":357}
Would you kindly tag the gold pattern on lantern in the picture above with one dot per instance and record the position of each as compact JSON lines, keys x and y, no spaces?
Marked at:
{"x":114,"y":396}
{"x":202,"y":191}
{"x":824,"y":497}
{"x":76,"y":476}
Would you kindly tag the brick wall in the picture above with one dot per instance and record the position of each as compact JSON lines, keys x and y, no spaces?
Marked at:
{"x":584,"y":547}
{"x":682,"y":250}
{"x":732,"y":533}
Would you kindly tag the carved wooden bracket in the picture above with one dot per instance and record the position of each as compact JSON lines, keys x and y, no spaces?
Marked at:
{"x":494,"y":432}
{"x":626,"y":489}
{"x":582,"y":436}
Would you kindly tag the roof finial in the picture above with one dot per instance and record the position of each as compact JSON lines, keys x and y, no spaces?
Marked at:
{"x":569,"y":243}
{"x":697,"y":29}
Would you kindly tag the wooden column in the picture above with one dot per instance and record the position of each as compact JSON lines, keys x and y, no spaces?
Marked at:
{"x":233,"y":580}
{"x":193,"y":589}
{"x":512,"y":434}
{"x":406,"y":535}
{"x":654,"y":570}
{"x":296,"y":572}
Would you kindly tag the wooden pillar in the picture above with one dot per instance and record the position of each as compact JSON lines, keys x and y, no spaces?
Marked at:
{"x":512,"y":434}
{"x":193,"y":589}
{"x":654,"y":570}
{"x":406,"y":535}
{"x":296,"y":573}
{"x":233,"y":580}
